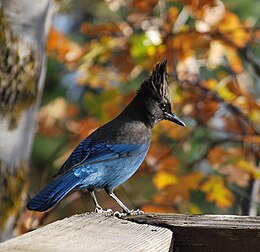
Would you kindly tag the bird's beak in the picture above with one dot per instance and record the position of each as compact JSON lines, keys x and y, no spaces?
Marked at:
{"x":173,"y":118}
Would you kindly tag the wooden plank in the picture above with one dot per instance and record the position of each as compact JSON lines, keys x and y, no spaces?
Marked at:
{"x":208,"y":232}
{"x":92,"y":232}
{"x":97,"y":232}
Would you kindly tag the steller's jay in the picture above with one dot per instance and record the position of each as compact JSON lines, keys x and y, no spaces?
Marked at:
{"x":113,"y":153}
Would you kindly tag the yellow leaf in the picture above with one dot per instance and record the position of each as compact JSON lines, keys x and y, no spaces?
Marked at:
{"x":225,"y":93}
{"x":217,"y":192}
{"x":233,"y":29}
{"x":249,"y":167}
{"x":194,"y":209}
{"x":164,"y":179}
{"x":255,"y":115}
{"x":233,"y":59}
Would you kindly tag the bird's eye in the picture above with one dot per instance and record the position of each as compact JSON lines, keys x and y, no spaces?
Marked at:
{"x":163,"y":107}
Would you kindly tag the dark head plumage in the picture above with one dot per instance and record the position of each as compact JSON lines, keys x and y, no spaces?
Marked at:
{"x":155,"y":94}
{"x":157,"y":84}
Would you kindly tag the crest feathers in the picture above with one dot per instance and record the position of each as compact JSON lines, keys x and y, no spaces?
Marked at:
{"x":157,"y":84}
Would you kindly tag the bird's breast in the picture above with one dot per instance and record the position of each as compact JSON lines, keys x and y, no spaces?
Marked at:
{"x":132,"y":133}
{"x":111,"y":173}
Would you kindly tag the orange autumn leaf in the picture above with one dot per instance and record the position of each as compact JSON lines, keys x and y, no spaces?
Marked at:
{"x":101,"y":29}
{"x":233,"y":59}
{"x":200,"y":108}
{"x":159,"y":150}
{"x":251,"y":139}
{"x":192,"y":180}
{"x":180,"y":189}
{"x":59,"y":45}
{"x":84,"y":127}
{"x":144,"y":5}
{"x":199,"y":5}
{"x":169,"y":163}
{"x":232,"y":126}
{"x":234,"y":29}
{"x":217,"y":156}
{"x":217,"y":192}
{"x":171,"y":130}
{"x":172,"y":14}
{"x":219,"y":50}
{"x":128,"y":66}
{"x":186,"y":44}
{"x":156,"y":209}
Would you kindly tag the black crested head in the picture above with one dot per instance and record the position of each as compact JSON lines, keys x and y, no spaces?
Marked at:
{"x":157,"y":85}
{"x":154,"y":93}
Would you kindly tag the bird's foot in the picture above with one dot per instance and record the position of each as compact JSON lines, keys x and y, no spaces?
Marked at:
{"x":130,"y":212}
{"x":119,"y":215}
{"x":135,"y":212}
{"x":99,"y":210}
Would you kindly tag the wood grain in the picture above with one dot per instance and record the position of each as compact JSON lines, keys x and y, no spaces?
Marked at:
{"x":147,"y":232}
{"x":208,"y":232}
{"x":92,"y":232}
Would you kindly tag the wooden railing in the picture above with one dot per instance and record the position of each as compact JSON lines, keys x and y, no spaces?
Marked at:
{"x":147,"y":232}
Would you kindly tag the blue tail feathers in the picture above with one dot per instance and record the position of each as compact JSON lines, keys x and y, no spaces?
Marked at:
{"x":54,"y":192}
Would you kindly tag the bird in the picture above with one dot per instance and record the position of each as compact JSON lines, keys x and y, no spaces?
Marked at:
{"x":112,"y":154}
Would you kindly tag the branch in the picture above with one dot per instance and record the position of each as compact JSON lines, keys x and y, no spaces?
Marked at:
{"x":205,"y":92}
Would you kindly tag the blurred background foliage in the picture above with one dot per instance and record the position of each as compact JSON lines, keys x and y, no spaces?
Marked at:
{"x":99,"y":53}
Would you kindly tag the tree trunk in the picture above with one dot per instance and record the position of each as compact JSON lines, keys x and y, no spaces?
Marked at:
{"x":249,"y":203}
{"x":24,"y":25}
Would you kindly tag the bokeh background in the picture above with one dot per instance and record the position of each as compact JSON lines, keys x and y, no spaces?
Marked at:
{"x":99,"y":52}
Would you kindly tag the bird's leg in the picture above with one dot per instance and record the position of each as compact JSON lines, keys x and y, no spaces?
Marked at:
{"x":119,"y":202}
{"x":98,"y":208}
{"x":123,"y":206}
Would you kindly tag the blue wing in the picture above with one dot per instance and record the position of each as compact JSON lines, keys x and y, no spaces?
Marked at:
{"x":54,"y":192}
{"x":89,"y":152}
{"x":78,"y":167}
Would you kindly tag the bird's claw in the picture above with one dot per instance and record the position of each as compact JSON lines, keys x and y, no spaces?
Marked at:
{"x":135,"y":212}
{"x":101,"y":211}
{"x":130,"y":212}
{"x":119,"y":215}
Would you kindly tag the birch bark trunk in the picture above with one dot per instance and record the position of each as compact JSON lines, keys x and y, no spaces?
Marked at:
{"x":24,"y":25}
